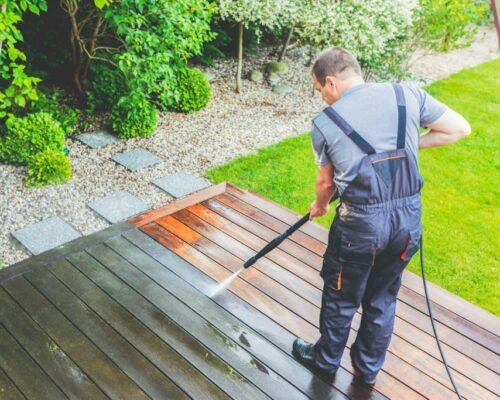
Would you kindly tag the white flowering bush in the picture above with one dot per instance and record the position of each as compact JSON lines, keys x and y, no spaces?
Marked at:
{"x":374,"y":30}
{"x":256,"y":13}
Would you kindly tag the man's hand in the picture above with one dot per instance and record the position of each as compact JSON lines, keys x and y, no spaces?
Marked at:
{"x":447,"y":129}
{"x":317,"y":211}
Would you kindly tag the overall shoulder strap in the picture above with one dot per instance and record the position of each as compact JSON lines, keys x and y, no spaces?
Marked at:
{"x":400,"y":100}
{"x":348,"y":130}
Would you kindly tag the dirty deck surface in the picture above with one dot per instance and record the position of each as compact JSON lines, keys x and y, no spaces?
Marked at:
{"x":125,"y":313}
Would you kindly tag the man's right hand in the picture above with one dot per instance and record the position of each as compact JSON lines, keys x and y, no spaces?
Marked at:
{"x":317,"y":211}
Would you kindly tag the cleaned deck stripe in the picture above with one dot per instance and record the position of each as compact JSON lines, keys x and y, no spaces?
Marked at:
{"x":266,"y":272}
{"x":302,"y":270}
{"x":263,"y":232}
{"x":177,"y":205}
{"x":278,"y":211}
{"x":308,"y":242}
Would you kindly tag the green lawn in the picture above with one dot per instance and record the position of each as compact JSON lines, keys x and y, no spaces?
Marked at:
{"x":461,"y":192}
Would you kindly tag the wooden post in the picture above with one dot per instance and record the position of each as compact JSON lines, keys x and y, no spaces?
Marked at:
{"x":494,"y":8}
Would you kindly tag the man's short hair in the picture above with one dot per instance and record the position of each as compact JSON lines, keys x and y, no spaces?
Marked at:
{"x":337,"y":62}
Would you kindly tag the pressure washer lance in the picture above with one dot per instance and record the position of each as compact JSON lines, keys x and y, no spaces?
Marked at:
{"x":279,"y":239}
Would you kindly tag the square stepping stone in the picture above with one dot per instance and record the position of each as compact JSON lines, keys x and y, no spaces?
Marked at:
{"x":181,"y":184}
{"x":97,"y":139}
{"x":137,"y":159}
{"x":118,"y":206}
{"x":45,"y":235}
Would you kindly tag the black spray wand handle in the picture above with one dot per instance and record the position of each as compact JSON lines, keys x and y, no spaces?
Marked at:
{"x":280,"y":238}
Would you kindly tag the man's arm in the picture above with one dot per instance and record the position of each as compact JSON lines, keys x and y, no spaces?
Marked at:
{"x":325,"y":188}
{"x":447,"y":129}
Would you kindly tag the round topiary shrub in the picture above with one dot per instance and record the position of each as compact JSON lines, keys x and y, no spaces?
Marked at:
{"x":193,"y":91}
{"x":107,"y":86}
{"x":133,"y":116}
{"x":49,"y":167}
{"x":30,"y":135}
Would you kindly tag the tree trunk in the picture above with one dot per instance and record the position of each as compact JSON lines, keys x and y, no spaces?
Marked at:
{"x":494,"y":8}
{"x":240,"y":57}
{"x":287,"y":42}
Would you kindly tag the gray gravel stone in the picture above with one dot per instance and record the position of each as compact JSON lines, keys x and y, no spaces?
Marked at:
{"x":281,"y":89}
{"x":97,"y":139}
{"x":256,"y":76}
{"x":209,"y":75}
{"x":45,"y":235}
{"x":277,"y":67}
{"x":137,"y":159}
{"x":181,"y":184}
{"x":273,"y":78}
{"x":119,"y":206}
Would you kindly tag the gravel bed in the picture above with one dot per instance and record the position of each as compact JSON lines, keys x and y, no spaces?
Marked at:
{"x":229,"y":126}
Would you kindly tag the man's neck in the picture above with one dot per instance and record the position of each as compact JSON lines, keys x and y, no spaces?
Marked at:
{"x":350,"y":83}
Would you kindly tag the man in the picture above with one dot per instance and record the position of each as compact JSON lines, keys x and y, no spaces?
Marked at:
{"x":366,"y":145}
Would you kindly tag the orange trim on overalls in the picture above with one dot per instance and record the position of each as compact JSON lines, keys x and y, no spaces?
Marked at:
{"x":403,"y":254}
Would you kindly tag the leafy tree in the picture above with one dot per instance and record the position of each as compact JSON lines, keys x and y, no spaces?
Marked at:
{"x":87,"y":37}
{"x":374,"y":30}
{"x":443,"y":25}
{"x":265,"y":13}
{"x":17,"y":88}
{"x":159,"y":36}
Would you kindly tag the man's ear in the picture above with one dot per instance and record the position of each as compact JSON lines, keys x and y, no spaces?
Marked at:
{"x":330,"y":81}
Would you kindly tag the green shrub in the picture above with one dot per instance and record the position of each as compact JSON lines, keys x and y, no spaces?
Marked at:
{"x":49,"y":167}
{"x":108,"y":85}
{"x":133,"y":116}
{"x":30,"y":135}
{"x":193,"y":91}
{"x":159,"y":37}
{"x":54,"y":105}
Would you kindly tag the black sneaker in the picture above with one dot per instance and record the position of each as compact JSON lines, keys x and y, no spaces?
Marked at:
{"x":303,"y":351}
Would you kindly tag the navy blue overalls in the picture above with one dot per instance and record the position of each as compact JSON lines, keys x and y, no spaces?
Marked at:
{"x":374,"y":234}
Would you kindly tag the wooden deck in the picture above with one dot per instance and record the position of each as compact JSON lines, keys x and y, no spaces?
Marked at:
{"x":125,"y":314}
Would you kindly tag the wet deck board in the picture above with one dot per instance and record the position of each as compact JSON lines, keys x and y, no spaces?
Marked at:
{"x":127,"y":313}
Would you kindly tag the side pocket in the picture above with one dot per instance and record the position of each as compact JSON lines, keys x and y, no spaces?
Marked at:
{"x":332,"y":272}
{"x":412,"y":246}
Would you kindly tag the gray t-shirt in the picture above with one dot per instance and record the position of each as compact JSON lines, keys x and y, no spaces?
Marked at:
{"x":371,"y":109}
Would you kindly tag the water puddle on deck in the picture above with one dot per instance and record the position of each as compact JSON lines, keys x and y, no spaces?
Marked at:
{"x":222,"y":285}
